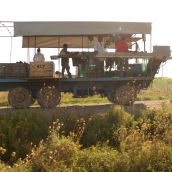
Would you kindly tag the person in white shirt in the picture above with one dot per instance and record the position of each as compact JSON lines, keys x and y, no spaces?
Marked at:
{"x":99,"y":48}
{"x":99,"y":45}
{"x":38,"y":57}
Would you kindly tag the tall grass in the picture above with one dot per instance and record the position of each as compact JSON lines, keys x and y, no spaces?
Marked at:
{"x":3,"y":98}
{"x":160,"y":89}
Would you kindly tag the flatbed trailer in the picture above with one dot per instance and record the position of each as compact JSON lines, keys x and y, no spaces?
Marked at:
{"x":22,"y":90}
{"x":119,"y":90}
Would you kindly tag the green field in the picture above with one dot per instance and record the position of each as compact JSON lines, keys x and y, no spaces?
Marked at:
{"x":160,"y":89}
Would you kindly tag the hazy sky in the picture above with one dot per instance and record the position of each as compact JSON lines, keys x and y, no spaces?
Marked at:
{"x":158,"y":12}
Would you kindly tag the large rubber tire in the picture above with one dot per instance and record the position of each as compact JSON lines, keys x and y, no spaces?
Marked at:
{"x":48,"y":97}
{"x":125,"y":95}
{"x":111,"y":97}
{"x":20,"y":98}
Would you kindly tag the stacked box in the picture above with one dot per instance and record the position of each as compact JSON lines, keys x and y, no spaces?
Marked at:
{"x":17,"y":70}
{"x":41,"y":70}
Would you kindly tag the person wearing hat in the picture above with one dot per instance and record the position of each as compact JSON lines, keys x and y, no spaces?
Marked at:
{"x":65,"y":61}
{"x":38,"y":57}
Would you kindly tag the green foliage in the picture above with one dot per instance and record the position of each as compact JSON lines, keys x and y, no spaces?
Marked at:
{"x":148,"y":144}
{"x":156,"y":124}
{"x":18,"y":167}
{"x":57,"y":154}
{"x":160,"y":89}
{"x":3,"y":99}
{"x":63,"y":154}
{"x":101,"y":128}
{"x":68,"y":99}
{"x":115,"y":141}
{"x":102,"y":159}
{"x":17,"y":132}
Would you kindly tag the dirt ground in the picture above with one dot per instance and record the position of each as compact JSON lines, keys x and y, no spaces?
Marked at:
{"x":90,"y":109}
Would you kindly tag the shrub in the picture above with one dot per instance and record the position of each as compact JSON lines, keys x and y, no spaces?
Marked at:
{"x":147,"y":156}
{"x":17,"y":132}
{"x":156,"y":124}
{"x":60,"y":153}
{"x":55,"y":154}
{"x":102,"y":159}
{"x":101,"y":128}
{"x":147,"y":146}
{"x":114,"y":141}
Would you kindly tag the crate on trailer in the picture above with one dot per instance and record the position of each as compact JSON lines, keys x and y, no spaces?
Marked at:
{"x":13,"y":70}
{"x":41,"y":70}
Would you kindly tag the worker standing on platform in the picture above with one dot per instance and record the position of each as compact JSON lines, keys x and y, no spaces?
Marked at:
{"x":99,"y":45}
{"x":121,"y":45}
{"x":65,"y":61}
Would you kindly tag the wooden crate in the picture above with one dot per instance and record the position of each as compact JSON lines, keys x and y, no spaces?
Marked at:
{"x":13,"y":70}
{"x":41,"y":70}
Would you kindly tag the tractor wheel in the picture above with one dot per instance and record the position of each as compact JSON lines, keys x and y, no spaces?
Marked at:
{"x":48,"y":97}
{"x":20,"y":97}
{"x":125,"y":95}
{"x":111,"y":97}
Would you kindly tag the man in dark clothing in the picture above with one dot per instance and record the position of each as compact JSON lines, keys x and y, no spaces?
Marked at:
{"x":65,"y":61}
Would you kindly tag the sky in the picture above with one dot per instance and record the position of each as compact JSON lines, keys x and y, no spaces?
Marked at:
{"x":157,"y":12}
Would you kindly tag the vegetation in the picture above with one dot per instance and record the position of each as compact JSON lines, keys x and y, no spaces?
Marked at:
{"x":18,"y":130}
{"x":32,"y":140}
{"x":114,"y":141}
{"x":160,"y":89}
{"x":3,"y":98}
{"x":68,"y":99}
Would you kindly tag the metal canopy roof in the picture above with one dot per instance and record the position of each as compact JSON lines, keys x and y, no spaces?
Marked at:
{"x":79,"y":28}
{"x":75,"y":34}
